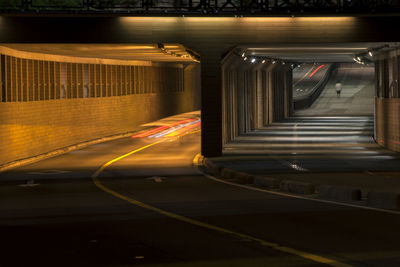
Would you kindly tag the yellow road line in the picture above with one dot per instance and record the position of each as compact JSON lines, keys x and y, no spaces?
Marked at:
{"x":178,"y":217}
{"x":305,"y":75}
{"x":96,"y":174}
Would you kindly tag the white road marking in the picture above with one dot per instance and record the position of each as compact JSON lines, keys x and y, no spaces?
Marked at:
{"x":29,"y":183}
{"x":299,"y":197}
{"x":156,"y":179}
{"x":49,"y":172}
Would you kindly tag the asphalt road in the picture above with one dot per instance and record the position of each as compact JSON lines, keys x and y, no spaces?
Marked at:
{"x":357,"y":96}
{"x":153,"y":207}
{"x":306,"y":78}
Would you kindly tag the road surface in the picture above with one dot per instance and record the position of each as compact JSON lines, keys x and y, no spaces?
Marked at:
{"x":142,"y":201}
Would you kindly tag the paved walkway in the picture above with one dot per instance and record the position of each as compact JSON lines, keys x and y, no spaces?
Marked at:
{"x":321,"y":150}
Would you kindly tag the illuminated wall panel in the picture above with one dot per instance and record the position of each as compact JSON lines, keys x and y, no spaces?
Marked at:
{"x":33,"y":80}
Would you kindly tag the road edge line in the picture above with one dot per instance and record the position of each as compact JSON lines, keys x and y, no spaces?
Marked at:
{"x":304,"y":255}
{"x":298,"y":196}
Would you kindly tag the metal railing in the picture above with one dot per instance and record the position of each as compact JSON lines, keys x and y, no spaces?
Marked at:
{"x":202,"y":7}
{"x":23,"y":80}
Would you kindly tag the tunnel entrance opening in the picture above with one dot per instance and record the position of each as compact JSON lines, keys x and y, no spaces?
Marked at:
{"x":338,"y":89}
{"x":279,"y":99}
{"x":55,"y":96}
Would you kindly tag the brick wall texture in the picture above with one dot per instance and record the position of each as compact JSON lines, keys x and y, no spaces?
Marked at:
{"x":31,"y":128}
{"x":387,"y":123}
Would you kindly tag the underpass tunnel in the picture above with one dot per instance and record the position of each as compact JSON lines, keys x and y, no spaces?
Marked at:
{"x":338,"y":89}
{"x":56,"y":96}
{"x":254,"y":94}
{"x":263,"y":86}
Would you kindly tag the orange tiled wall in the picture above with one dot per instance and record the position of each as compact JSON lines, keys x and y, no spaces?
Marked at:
{"x":387,"y":123}
{"x":31,"y":128}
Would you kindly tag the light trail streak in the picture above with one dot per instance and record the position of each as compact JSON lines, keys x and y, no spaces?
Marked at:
{"x":173,"y":129}
{"x":316,"y":70}
{"x":305,"y":75}
{"x":150,"y":133}
{"x":189,"y":127}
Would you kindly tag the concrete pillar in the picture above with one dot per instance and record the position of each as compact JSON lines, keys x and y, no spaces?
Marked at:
{"x":387,"y":100}
{"x":259,"y":95}
{"x":211,"y":110}
{"x":279,"y":79}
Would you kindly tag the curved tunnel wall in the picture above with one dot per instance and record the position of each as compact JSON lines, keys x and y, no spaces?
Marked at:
{"x":387,"y":100}
{"x":49,"y":104}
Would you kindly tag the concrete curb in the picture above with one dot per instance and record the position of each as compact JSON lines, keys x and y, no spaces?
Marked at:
{"x":60,"y":151}
{"x":339,"y":193}
{"x":385,"y":200}
{"x":228,"y":174}
{"x":236,"y":176}
{"x":268,"y":182}
{"x":297,"y":187}
{"x":261,"y":181}
{"x":212,"y":167}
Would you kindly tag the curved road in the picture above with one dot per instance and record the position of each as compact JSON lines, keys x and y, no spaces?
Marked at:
{"x":142,"y":201}
{"x":356,"y":98}
{"x":306,"y":77}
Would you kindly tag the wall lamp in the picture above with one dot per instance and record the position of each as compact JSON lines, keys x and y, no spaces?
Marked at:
{"x":264,"y":60}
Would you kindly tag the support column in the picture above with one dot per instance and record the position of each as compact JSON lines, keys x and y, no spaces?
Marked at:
{"x":387,"y":100}
{"x":211,"y":104}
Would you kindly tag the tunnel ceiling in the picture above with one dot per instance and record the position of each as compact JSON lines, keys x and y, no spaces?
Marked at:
{"x":148,"y":52}
{"x":316,"y":52}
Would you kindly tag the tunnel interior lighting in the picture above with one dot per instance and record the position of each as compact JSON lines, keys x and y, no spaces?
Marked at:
{"x":359,"y":60}
{"x":370,"y":53}
{"x":263,"y":60}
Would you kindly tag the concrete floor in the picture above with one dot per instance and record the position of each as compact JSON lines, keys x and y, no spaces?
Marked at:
{"x":322,"y":150}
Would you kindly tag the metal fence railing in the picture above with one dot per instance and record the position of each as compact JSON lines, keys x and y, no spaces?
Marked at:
{"x":201,"y":7}
{"x":24,"y":80}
